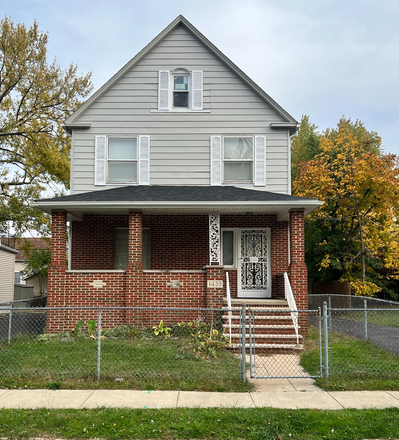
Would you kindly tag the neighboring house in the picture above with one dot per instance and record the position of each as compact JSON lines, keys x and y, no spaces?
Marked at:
{"x":7,"y":269}
{"x":39,"y":285}
{"x":180,"y":172}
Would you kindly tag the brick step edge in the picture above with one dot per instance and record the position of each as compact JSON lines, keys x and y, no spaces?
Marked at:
{"x":272,"y":346}
{"x":271,"y":317}
{"x":262,"y":336}
{"x":259,"y":326}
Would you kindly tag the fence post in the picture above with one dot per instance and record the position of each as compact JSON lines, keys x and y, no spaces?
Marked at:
{"x":9,"y":324}
{"x":365,"y":320}
{"x":99,"y":345}
{"x":243,"y":342}
{"x":325,"y":336}
{"x":320,"y":342}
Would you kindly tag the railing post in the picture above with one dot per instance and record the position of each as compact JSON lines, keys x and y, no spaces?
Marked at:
{"x":99,"y":345}
{"x":251,"y":325}
{"x":9,"y":324}
{"x":325,"y":336}
{"x":365,"y":320}
{"x":243,"y":342}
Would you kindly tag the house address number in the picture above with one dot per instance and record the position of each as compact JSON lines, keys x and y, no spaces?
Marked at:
{"x":215,"y":283}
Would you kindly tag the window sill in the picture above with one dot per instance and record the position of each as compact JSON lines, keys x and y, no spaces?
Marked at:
{"x":186,"y":110}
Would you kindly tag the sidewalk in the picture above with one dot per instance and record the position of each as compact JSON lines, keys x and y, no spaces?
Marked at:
{"x":276,"y":393}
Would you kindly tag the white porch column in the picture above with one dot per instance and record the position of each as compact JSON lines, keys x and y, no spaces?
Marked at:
{"x":214,"y":238}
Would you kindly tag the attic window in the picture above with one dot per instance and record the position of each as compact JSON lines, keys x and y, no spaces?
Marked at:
{"x":180,"y":91}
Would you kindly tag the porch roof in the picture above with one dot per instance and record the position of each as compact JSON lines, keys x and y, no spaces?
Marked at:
{"x":156,"y":199}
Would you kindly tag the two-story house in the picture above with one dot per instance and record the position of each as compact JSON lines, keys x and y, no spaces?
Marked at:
{"x":180,"y":173}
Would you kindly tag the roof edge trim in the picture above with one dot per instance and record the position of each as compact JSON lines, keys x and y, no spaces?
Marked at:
{"x":181,"y":20}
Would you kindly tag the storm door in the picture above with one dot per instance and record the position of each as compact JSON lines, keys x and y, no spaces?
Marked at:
{"x":254,"y":264}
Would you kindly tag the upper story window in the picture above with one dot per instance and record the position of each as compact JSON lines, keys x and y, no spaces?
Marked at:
{"x":238,"y":159}
{"x":122,"y":160}
{"x":180,"y":90}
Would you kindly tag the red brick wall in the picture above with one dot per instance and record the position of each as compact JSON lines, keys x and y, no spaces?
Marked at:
{"x":178,"y":242}
{"x":297,"y":271}
{"x":93,"y":241}
{"x":80,"y":292}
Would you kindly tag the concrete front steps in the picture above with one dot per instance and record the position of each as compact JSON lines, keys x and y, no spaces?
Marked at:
{"x":273,"y":332}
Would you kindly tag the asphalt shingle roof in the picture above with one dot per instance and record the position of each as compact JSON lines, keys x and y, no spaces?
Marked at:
{"x":177,"y":194}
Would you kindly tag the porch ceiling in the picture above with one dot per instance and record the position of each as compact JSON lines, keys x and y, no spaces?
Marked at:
{"x":178,"y":200}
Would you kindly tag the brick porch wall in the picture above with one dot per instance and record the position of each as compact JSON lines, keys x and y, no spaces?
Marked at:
{"x":298,"y":272}
{"x":177,"y":242}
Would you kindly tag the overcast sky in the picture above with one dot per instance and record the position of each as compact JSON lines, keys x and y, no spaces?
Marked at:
{"x":323,"y":58}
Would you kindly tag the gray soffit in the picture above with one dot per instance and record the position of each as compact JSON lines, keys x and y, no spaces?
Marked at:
{"x":179,"y":21}
{"x":175,"y":199}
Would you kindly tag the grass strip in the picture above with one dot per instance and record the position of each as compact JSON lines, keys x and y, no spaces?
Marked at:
{"x":355,"y":365}
{"x":142,"y":364}
{"x":211,"y":423}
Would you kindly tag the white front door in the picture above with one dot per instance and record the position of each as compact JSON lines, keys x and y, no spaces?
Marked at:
{"x":254,"y":264}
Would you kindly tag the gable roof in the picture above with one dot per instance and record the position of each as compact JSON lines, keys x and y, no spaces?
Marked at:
{"x":291,"y":123}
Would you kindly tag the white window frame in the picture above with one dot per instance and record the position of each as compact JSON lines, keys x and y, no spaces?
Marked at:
{"x":136,"y":161}
{"x":101,"y":160}
{"x":166,"y":90}
{"x":236,"y":236}
{"x":236,"y":160}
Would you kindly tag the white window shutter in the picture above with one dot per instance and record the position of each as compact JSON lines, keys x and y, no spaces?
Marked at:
{"x":144,"y":160}
{"x":163,"y":90}
{"x":260,"y":161}
{"x":197,"y":100}
{"x":100,"y":160}
{"x":216,"y":160}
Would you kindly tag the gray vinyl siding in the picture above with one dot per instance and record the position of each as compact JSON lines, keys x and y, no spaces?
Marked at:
{"x":180,"y":141}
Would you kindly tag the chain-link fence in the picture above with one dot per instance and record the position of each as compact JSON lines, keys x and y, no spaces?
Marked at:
{"x":360,"y":337}
{"x":277,"y":339}
{"x":160,"y":348}
{"x":207,"y":349}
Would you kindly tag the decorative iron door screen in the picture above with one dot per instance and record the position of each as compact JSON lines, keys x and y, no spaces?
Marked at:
{"x":254,"y":267}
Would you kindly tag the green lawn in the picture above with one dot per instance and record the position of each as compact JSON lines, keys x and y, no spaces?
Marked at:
{"x":138,"y":363}
{"x":212,"y":423}
{"x":355,"y":364}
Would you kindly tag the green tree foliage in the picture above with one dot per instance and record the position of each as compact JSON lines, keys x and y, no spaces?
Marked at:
{"x":37,"y":264}
{"x":35,"y":98}
{"x":354,"y":235}
{"x":304,"y":146}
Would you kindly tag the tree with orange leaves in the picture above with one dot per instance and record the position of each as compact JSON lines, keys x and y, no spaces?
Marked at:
{"x":354,"y":235}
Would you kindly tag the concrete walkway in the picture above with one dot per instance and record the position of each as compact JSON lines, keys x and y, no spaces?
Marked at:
{"x":276,"y":393}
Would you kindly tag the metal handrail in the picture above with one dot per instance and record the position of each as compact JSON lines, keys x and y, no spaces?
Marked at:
{"x":228,"y":302}
{"x":289,"y":296}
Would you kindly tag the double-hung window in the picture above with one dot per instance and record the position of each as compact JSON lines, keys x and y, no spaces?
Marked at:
{"x":180,"y":90}
{"x":238,"y":159}
{"x":122,"y":160}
